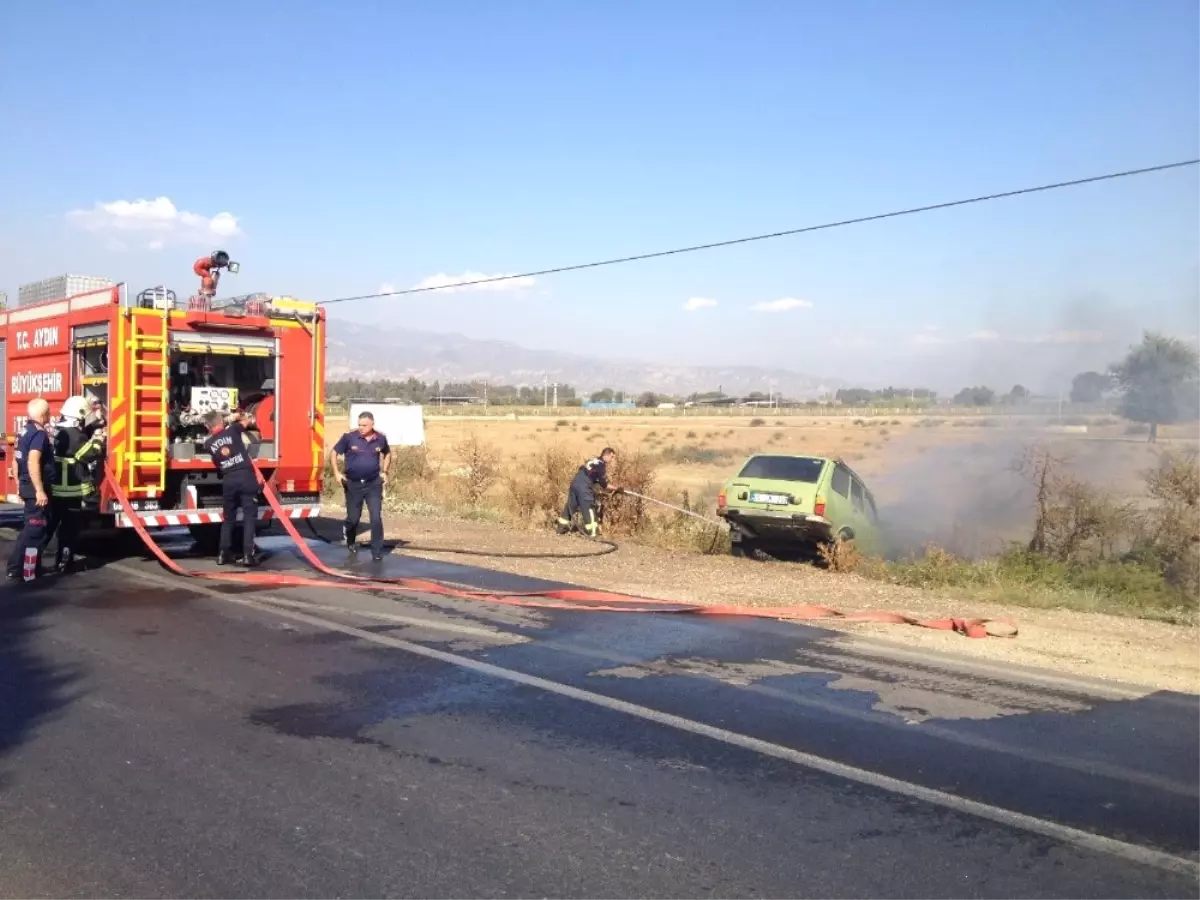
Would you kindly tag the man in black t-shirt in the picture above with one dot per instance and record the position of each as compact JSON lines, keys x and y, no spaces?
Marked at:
{"x":239,"y":486}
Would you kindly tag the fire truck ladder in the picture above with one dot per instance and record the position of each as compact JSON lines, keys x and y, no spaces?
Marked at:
{"x":150,"y":364}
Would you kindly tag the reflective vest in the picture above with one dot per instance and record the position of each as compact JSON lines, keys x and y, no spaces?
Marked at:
{"x":73,"y":450}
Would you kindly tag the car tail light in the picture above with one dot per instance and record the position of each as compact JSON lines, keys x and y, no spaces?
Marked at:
{"x":819,"y":507}
{"x":721,"y":500}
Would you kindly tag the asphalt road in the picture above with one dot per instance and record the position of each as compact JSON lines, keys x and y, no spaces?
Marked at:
{"x":167,"y":737}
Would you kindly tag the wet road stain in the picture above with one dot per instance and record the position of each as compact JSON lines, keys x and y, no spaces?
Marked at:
{"x":371,"y":698}
{"x":325,"y":638}
{"x":399,"y":698}
{"x":133,"y":598}
{"x":893,"y":689}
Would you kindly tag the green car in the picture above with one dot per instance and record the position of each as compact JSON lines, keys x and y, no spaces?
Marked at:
{"x":787,"y":506}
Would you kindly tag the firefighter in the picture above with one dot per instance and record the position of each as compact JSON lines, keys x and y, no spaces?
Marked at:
{"x":209,"y":269}
{"x":367,"y":456}
{"x":35,"y":472}
{"x":581,"y":498}
{"x":239,"y":484}
{"x":76,"y":449}
{"x":95,"y":426}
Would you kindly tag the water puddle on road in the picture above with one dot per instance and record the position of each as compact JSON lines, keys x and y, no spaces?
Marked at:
{"x":910,"y":694}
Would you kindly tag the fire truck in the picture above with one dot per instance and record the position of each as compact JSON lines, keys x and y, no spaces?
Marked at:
{"x":152,"y":366}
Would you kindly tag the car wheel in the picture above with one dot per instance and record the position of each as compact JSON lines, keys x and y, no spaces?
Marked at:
{"x":838,"y":552}
{"x":743,"y":549}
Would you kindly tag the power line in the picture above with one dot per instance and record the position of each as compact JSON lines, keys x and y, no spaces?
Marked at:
{"x":1111,"y":176}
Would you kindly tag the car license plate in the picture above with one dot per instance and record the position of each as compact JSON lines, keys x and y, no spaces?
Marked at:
{"x":771,"y":499}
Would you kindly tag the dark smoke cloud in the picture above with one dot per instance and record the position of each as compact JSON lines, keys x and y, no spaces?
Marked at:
{"x":967,"y":497}
{"x":964,"y":498}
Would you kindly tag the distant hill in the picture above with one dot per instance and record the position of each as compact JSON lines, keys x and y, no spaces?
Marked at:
{"x":368,"y":352}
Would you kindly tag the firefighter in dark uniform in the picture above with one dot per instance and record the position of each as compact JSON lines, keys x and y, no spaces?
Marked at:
{"x":239,"y":485}
{"x":76,"y":449}
{"x":581,"y":498}
{"x":35,"y":473}
{"x":367,"y":455}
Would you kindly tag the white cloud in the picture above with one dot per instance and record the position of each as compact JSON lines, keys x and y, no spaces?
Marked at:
{"x":1066,"y":337}
{"x":448,"y":282}
{"x":697,"y":303}
{"x":853,"y":342}
{"x":781,"y":305}
{"x":983,"y":336}
{"x":158,"y":220}
{"x":386,"y":288}
{"x":927,"y":337}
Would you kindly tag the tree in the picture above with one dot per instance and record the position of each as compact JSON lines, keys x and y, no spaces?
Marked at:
{"x":854,"y":396}
{"x":1019,"y":394}
{"x":649,"y":400}
{"x":1089,"y":387}
{"x":1159,"y":381}
{"x":975,"y":396}
{"x":605,"y":395}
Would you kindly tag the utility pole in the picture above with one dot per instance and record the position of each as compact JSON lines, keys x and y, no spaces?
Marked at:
{"x":556,"y":395}
{"x":545,"y":391}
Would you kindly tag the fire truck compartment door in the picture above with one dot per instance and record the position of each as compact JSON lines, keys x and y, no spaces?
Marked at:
{"x":231,"y":344}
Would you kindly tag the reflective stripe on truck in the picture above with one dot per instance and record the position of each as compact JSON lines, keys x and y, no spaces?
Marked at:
{"x":161,"y":519}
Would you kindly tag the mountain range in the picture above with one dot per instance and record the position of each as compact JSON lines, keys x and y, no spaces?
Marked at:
{"x":371,"y":353}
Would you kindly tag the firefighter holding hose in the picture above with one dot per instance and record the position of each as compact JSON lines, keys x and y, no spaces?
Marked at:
{"x":581,"y":497}
{"x":76,"y":447}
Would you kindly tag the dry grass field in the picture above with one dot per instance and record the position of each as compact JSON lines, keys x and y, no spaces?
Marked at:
{"x":697,"y":454}
{"x":488,"y":486}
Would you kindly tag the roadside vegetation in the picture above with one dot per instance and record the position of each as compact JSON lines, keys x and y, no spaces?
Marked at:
{"x":1132,"y":551}
{"x":1088,"y":548}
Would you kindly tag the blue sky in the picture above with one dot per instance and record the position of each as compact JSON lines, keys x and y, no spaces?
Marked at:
{"x":369,"y":143}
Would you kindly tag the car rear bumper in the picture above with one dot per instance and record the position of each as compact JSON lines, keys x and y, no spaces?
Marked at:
{"x":780,"y":525}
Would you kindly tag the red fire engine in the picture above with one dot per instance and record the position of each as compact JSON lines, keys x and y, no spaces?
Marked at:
{"x":153,"y":366}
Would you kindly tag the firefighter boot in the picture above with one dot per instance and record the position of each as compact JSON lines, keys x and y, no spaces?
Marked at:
{"x":350,"y":545}
{"x":591,"y":527}
{"x":65,"y":563}
{"x":224,"y":558}
{"x":562,"y":526}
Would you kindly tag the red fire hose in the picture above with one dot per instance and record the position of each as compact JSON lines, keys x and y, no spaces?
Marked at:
{"x":575,"y":599}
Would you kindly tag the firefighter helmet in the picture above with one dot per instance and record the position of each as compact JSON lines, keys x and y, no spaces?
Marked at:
{"x":220,"y":258}
{"x":74,"y":408}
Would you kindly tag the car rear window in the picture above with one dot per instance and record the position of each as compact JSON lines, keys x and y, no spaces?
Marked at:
{"x":784,"y":468}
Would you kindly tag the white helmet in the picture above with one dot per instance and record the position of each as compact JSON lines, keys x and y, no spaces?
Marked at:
{"x":74,"y":408}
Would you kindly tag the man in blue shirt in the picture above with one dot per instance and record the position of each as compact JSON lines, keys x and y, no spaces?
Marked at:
{"x":367,"y":457}
{"x":35,"y":474}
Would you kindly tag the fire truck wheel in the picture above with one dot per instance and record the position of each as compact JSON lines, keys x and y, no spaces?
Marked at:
{"x":207,"y":538}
